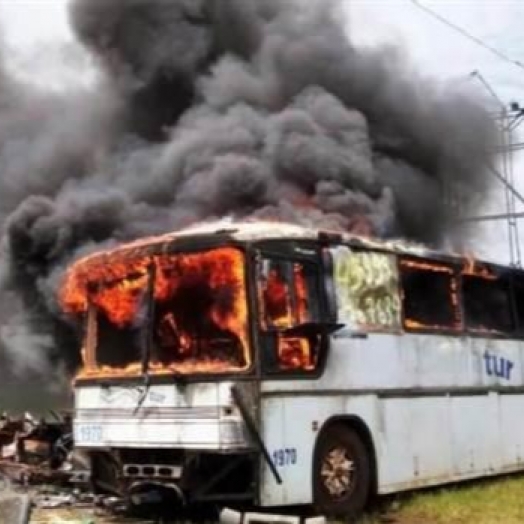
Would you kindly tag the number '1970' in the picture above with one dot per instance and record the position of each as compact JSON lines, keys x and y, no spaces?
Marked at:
{"x":89,"y":433}
{"x":285,"y":457}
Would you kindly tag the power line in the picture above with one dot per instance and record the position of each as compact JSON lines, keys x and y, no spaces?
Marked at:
{"x":467,"y":35}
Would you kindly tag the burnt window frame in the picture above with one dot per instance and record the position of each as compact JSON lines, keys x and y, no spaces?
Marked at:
{"x":455,"y":273}
{"x":184,"y":247}
{"x":99,"y":315}
{"x":292,"y":293}
{"x":288,"y":252}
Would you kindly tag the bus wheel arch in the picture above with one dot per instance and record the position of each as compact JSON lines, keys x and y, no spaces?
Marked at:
{"x":350,"y":436}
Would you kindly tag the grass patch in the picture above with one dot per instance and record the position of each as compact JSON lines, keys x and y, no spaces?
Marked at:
{"x":493,"y":501}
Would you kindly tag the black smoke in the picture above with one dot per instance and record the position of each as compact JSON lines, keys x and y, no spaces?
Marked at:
{"x":208,"y":108}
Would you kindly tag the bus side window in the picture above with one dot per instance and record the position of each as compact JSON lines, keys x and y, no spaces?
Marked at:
{"x":487,"y":304}
{"x":430,"y":296}
{"x":518,"y":291}
{"x":306,"y":292}
{"x":366,"y":289}
{"x":275,"y":295}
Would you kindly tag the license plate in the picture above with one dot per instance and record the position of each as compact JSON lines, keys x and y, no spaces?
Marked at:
{"x":89,"y":433}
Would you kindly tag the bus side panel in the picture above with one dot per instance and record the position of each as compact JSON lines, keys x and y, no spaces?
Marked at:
{"x":416,"y":442}
{"x":511,"y":429}
{"x":476,"y":434}
{"x":290,"y":427}
{"x":429,"y":441}
{"x":413,"y":361}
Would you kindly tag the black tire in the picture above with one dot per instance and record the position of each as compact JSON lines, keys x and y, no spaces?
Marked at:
{"x":348,"y":502}
{"x":104,"y":474}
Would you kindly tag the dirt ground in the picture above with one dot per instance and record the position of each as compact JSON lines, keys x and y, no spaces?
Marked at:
{"x":79,"y":516}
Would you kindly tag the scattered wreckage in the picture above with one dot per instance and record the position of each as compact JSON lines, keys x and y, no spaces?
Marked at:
{"x":38,"y":466}
{"x":42,"y":474}
{"x":39,"y":452}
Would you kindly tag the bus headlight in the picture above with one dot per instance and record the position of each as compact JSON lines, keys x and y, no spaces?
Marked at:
{"x":232,"y":433}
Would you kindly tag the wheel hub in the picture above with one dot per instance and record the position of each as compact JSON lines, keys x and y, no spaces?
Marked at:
{"x":337,"y":472}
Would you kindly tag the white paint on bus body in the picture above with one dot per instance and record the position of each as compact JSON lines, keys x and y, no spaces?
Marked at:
{"x":396,"y":383}
{"x":422,"y":439}
{"x":196,"y":416}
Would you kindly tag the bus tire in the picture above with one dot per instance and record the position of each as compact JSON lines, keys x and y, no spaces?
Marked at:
{"x":341,"y":473}
{"x":104,"y":474}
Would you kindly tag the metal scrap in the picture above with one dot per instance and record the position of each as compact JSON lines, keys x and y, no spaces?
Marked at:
{"x":39,"y":452}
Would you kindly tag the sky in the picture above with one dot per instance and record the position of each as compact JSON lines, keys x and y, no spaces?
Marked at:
{"x":42,"y":48}
{"x":442,"y":51}
{"x":439,"y":51}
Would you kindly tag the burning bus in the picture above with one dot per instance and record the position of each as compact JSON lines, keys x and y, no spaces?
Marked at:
{"x":272,"y":364}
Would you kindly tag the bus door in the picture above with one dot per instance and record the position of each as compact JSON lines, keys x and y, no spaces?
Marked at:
{"x":294,"y":326}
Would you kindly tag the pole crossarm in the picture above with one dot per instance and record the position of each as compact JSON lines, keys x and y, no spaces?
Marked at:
{"x":508,"y":186}
{"x":501,"y":216}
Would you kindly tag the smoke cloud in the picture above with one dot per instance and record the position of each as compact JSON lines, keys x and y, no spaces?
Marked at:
{"x":208,"y":108}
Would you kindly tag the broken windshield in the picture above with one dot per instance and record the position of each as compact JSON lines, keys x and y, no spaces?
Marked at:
{"x":195,"y":321}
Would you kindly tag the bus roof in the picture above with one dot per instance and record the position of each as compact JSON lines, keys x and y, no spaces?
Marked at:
{"x":246,"y":232}
{"x":252,"y":231}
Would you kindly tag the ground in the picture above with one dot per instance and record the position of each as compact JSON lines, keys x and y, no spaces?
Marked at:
{"x":76,"y":516}
{"x":485,"y":502}
{"x":493,"y":501}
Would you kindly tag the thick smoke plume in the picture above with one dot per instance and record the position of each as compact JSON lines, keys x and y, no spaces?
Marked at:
{"x":212,"y":108}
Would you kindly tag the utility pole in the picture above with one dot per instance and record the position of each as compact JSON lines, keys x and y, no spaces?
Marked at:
{"x":508,"y":120}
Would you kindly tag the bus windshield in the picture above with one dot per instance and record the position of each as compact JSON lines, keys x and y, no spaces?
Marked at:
{"x":182,"y":313}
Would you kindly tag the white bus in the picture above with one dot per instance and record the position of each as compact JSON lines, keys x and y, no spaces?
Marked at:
{"x":273,"y":365}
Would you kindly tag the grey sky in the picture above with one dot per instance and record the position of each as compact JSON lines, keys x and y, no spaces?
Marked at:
{"x":36,"y":31}
{"x":439,"y":51}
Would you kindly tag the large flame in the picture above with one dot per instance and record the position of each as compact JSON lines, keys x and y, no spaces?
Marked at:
{"x":116,"y":285}
{"x":118,"y":288}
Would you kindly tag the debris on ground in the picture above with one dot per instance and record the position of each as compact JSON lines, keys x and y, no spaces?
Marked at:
{"x":44,"y":480}
{"x":15,"y":508}
{"x":39,"y":452}
{"x":40,"y":470}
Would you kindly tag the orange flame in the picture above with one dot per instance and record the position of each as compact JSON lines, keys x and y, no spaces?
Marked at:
{"x":301,"y":294}
{"x":475,"y":268}
{"x":294,"y":353}
{"x":277,"y":301}
{"x":427,"y":266}
{"x":117,"y":288}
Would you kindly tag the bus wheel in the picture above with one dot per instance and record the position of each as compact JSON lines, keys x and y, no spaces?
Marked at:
{"x":341,"y":473}
{"x":104,"y":474}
